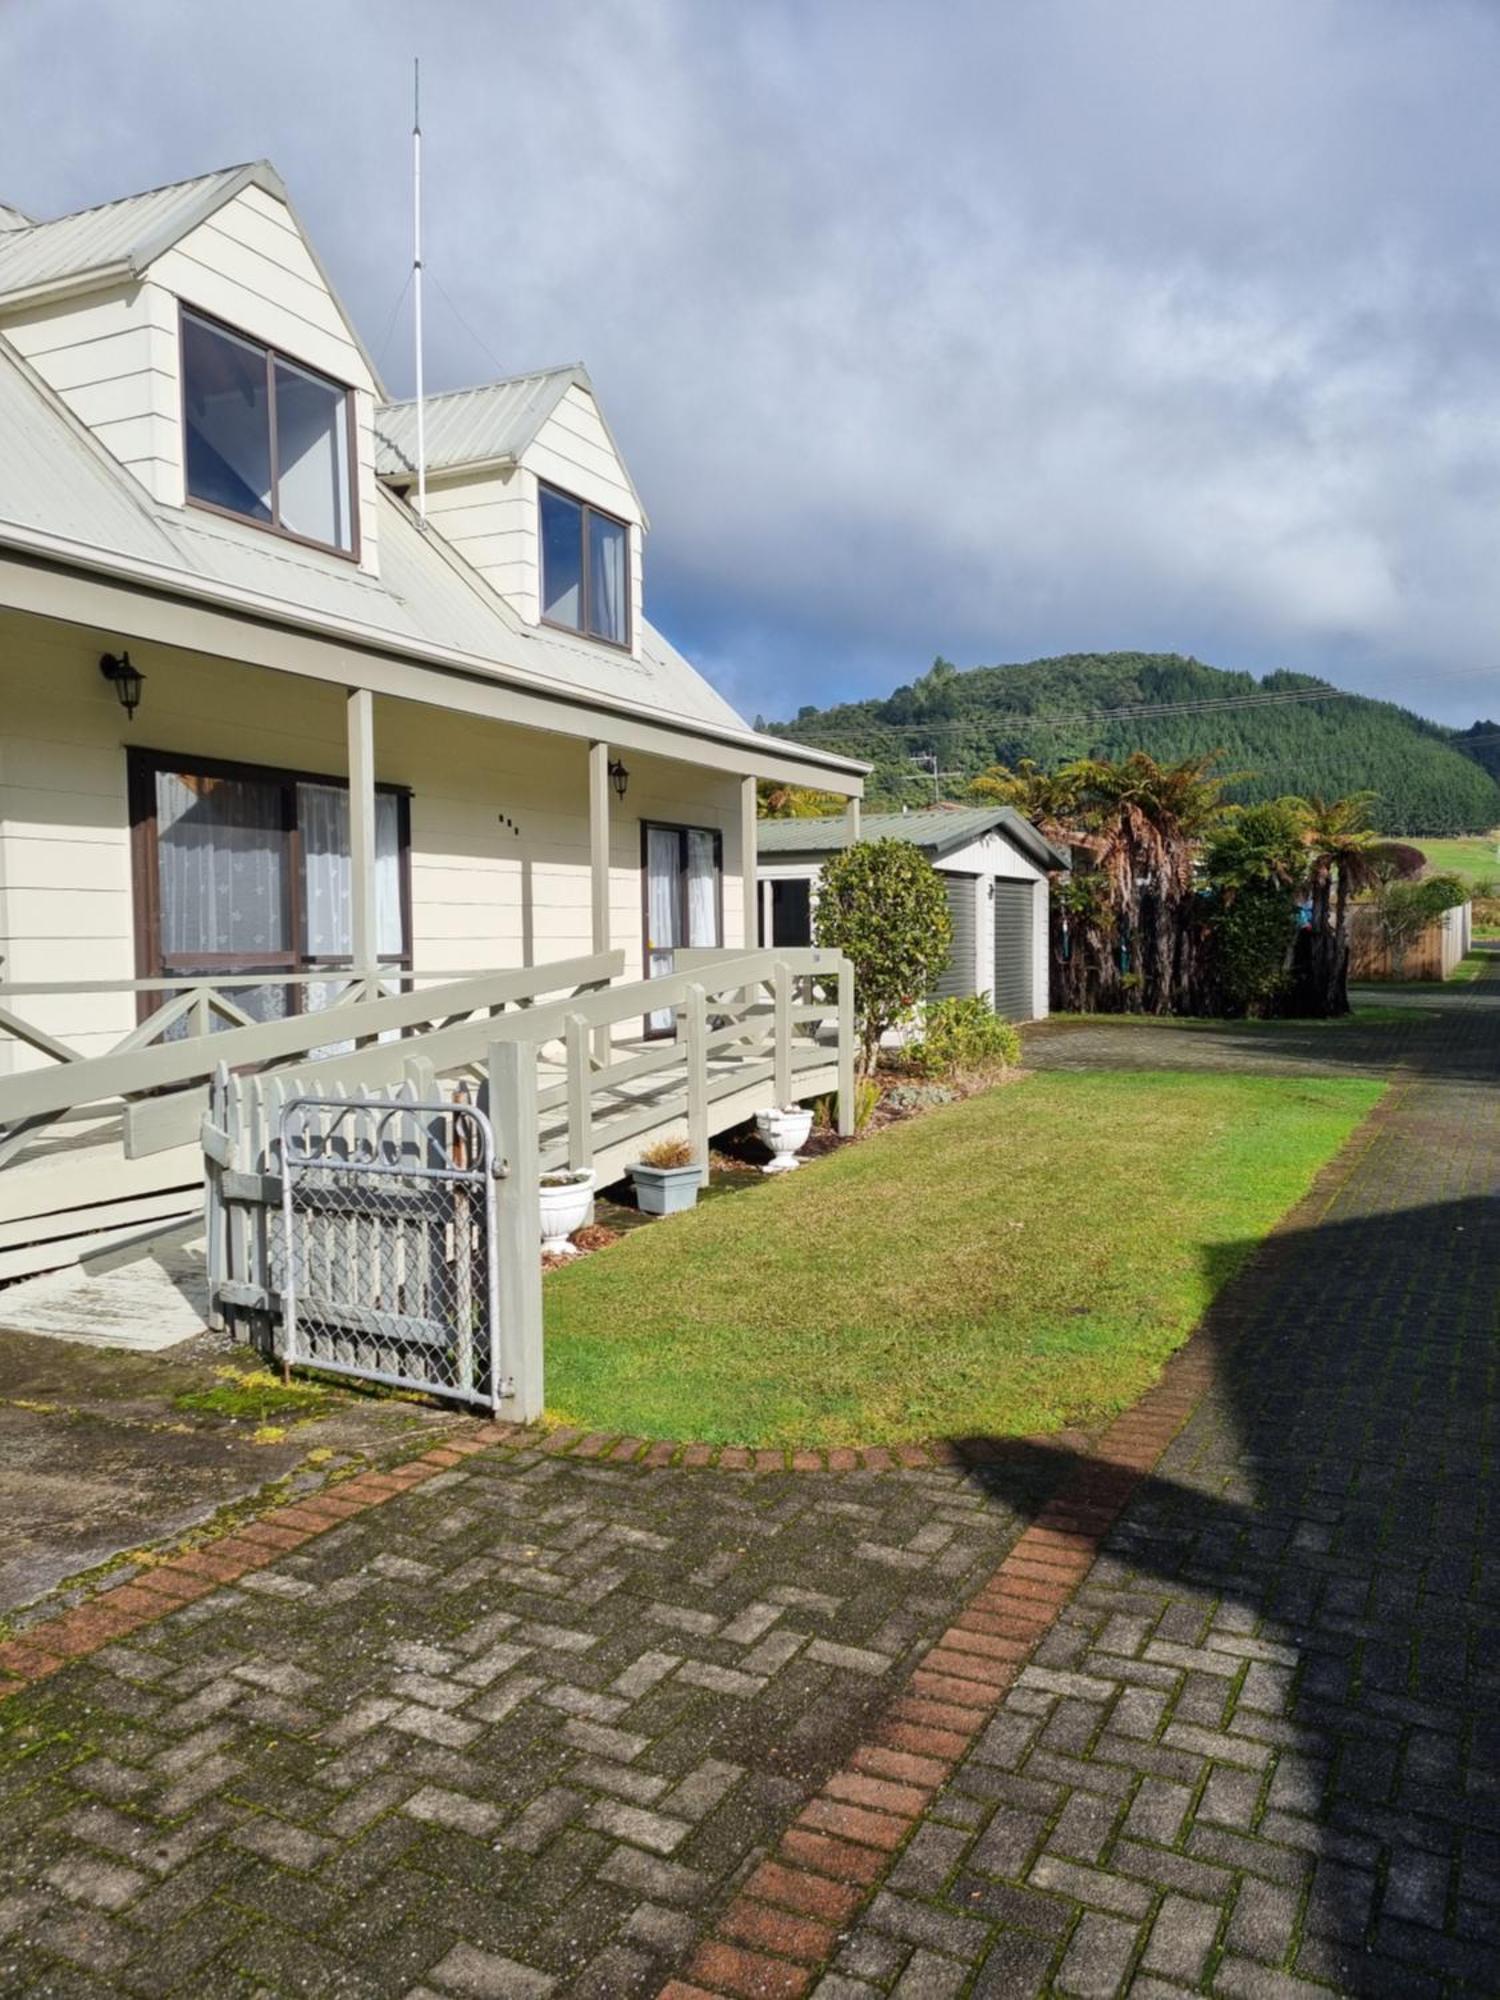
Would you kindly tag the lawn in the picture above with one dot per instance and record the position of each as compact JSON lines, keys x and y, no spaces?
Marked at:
{"x":1474,"y":857}
{"x":1361,"y":1015}
{"x":1014,"y":1263}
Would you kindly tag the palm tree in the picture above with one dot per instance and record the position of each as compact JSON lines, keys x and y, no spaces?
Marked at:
{"x":1139,"y":823}
{"x":1146,"y":824}
{"x":1342,"y":860}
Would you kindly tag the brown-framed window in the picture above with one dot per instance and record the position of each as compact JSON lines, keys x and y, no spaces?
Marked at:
{"x":682,"y":898}
{"x":585,"y":567}
{"x":265,"y":438}
{"x":243,"y":868}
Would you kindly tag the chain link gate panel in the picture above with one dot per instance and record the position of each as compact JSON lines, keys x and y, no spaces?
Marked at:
{"x":388,"y":1251}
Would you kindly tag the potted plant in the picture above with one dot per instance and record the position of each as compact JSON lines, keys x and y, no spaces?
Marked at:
{"x":565,"y":1200}
{"x":783,"y":1130}
{"x":667,"y":1177}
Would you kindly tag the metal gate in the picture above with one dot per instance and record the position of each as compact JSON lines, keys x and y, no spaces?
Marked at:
{"x":388,"y":1252}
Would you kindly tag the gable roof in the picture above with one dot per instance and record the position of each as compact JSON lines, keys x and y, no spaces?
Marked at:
{"x":938,"y":832}
{"x":63,"y":497}
{"x":117,"y":242}
{"x":489,"y":425}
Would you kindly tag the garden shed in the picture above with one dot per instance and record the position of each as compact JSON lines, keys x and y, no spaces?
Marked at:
{"x":995,"y":868}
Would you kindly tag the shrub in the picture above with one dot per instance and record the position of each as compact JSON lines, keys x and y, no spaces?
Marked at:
{"x":882,"y":905}
{"x":668,"y":1153}
{"x":962,"y":1035}
{"x":1403,"y":910}
{"x":1253,"y":933}
{"x":919,"y":1096}
{"x":866,"y":1097}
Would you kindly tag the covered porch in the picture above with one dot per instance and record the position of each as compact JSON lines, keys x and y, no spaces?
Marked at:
{"x":326,"y":846}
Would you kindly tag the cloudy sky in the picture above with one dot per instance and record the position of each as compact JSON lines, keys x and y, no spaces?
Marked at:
{"x":991,"y":329}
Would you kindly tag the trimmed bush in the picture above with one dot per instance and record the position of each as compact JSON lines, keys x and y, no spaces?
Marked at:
{"x":882,"y":904}
{"x":963,"y":1035}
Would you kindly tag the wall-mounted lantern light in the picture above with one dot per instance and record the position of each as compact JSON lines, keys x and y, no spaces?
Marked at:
{"x":619,"y":777}
{"x":127,"y":680}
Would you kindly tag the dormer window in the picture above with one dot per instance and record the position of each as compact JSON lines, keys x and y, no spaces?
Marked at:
{"x":264,"y":438}
{"x":585,"y":568}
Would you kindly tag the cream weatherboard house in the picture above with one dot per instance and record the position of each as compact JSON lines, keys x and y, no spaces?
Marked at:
{"x":263,"y":726}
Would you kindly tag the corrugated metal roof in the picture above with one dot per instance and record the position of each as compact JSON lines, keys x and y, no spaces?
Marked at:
{"x":129,"y":232}
{"x":472,"y":426}
{"x":125,"y":237}
{"x":12,"y":218}
{"x":938,"y":831}
{"x":57,"y":480}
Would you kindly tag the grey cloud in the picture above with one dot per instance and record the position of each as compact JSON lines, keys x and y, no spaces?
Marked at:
{"x":993,"y":329}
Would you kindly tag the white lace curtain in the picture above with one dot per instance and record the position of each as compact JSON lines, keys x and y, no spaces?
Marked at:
{"x":224,"y":851}
{"x":327,"y":872}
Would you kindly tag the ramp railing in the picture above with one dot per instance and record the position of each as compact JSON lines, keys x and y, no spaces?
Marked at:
{"x":752,"y":1030}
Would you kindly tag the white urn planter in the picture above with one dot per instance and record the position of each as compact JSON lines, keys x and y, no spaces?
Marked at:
{"x":565,"y":1200}
{"x":784,"y":1131}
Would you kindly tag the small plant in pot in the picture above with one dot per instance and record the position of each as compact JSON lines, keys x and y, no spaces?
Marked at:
{"x":565,"y":1198}
{"x":783,"y":1131}
{"x":667,"y":1177}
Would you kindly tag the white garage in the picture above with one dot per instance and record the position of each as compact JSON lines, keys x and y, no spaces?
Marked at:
{"x":994,"y":866}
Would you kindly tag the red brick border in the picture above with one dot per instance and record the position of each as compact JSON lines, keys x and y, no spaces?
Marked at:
{"x":41,"y":1649}
{"x":163,"y":1587}
{"x":784,"y":1923}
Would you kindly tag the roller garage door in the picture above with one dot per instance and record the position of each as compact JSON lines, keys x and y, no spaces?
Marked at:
{"x":1015,"y":916}
{"x":958,"y":979}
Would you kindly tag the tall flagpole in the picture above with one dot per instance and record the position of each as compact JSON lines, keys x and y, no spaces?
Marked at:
{"x":416,"y":267}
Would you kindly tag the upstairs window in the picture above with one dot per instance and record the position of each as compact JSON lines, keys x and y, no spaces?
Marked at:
{"x":265,"y":438}
{"x":585,"y":568}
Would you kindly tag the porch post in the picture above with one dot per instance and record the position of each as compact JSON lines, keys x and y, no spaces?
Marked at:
{"x":599,"y":868}
{"x":747,"y":863}
{"x":362,"y":900}
{"x":851,"y":819}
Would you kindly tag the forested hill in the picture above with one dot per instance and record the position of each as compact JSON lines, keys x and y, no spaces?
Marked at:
{"x":1049,"y":710}
{"x":1481,"y":741}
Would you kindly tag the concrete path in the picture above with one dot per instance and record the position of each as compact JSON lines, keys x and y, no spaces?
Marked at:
{"x":533,"y":1728}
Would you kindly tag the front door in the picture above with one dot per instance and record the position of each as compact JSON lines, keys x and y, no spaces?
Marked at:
{"x":684,"y":870}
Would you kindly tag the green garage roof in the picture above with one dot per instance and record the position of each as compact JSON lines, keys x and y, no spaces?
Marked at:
{"x":936,"y":832}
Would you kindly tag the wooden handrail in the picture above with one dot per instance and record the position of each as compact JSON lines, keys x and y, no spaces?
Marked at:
{"x":102,"y":1079}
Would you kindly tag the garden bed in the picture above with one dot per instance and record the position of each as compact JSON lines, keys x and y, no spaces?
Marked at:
{"x":1018,"y":1262}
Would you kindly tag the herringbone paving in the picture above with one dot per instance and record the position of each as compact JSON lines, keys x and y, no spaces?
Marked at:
{"x":535,"y":1726}
{"x":514,"y":1732}
{"x":1257,"y":1755}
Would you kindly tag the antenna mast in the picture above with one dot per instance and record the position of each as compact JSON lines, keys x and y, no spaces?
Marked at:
{"x":416,"y":272}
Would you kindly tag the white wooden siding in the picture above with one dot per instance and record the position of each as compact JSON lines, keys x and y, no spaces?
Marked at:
{"x":491,"y":519}
{"x":113,"y":359}
{"x":485,"y":894}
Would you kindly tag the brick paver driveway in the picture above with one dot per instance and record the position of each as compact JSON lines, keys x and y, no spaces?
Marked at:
{"x":1259,"y":1754}
{"x":525,"y":1730}
{"x":514,"y":1732}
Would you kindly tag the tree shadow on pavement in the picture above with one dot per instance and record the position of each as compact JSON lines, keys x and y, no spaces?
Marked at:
{"x":1332,"y":1500}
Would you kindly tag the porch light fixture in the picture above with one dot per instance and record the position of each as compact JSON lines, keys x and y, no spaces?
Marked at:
{"x":127,"y":679}
{"x":619,"y":777}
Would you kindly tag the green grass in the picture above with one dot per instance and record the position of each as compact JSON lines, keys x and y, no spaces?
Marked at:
{"x":1014,"y":1263}
{"x":1469,"y":967}
{"x":1474,"y":858}
{"x":1361,"y":1017}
